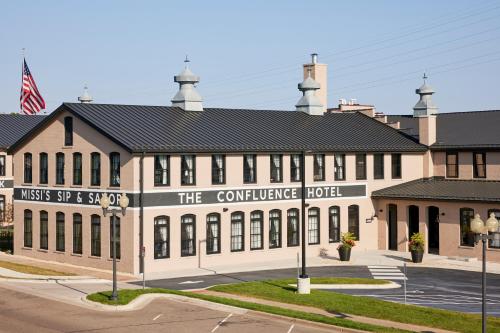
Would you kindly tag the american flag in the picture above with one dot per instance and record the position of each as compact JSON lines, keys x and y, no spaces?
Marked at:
{"x":31,"y":100}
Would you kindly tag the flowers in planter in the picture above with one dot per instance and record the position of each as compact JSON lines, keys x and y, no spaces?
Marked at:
{"x":347,"y":241}
{"x":417,"y":242}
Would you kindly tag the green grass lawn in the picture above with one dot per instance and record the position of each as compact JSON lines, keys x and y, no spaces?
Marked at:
{"x":31,"y":269}
{"x":127,"y":295}
{"x":279,"y":290}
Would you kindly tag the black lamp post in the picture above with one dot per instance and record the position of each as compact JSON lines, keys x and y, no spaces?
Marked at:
{"x":303,"y":274}
{"x":105,"y":210}
{"x":481,"y":230}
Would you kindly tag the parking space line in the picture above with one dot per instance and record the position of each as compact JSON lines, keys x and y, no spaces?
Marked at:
{"x":291,"y":328}
{"x":158,"y":316}
{"x":221,"y":322}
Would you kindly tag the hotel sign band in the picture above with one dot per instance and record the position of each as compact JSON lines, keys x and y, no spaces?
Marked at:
{"x":6,"y":183}
{"x":190,"y":198}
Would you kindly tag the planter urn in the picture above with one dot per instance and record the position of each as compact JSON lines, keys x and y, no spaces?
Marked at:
{"x":345,"y":253}
{"x":417,"y":256}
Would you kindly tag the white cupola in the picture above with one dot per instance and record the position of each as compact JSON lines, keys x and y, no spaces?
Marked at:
{"x":85,"y":98}
{"x":425,"y":106}
{"x":309,"y":103}
{"x":187,"y":98}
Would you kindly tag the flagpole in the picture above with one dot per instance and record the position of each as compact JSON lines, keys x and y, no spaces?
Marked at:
{"x":23,"y":50}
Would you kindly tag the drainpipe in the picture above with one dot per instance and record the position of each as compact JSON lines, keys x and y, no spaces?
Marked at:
{"x":141,"y":213}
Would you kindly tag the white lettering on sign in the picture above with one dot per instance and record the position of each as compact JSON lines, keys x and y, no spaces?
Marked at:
{"x":2,"y":184}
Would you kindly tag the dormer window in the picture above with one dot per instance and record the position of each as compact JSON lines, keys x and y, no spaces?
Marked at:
{"x":28,"y":165}
{"x":68,"y":131}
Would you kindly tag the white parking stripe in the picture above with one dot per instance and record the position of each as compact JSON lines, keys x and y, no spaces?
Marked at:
{"x":221,"y":322}
{"x":158,"y":316}
{"x":291,"y":328}
{"x":382,"y":267}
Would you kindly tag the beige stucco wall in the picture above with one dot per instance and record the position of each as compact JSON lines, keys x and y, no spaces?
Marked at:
{"x":7,"y":192}
{"x":465,"y":170}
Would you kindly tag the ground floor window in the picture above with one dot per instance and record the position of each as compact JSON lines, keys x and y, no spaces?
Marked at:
{"x":213,"y":233}
{"x":313,"y":226}
{"x":117,"y":237}
{"x":334,"y":224}
{"x":28,"y":228}
{"x":188,"y":235}
{"x":353,"y":220}
{"x":161,"y":237}
{"x":256,"y":230}
{"x":293,"y":227}
{"x":2,"y":207}
{"x":44,"y":230}
{"x":237,"y":231}
{"x":95,"y":235}
{"x":495,"y":242}
{"x":77,"y":233}
{"x":60,"y":234}
{"x":466,"y":235}
{"x":275,"y":228}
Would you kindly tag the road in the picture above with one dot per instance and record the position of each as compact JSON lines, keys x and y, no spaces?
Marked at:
{"x":434,"y":287}
{"x":20,"y":312}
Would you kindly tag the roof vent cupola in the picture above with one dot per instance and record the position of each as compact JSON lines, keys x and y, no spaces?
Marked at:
{"x":425,"y":106}
{"x":309,"y":103}
{"x":187,"y":98}
{"x":85,"y":98}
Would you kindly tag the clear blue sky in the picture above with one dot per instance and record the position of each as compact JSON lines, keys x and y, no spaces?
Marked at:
{"x":249,"y":53}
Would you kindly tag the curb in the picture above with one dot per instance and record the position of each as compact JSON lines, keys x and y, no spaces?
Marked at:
{"x":390,"y":285}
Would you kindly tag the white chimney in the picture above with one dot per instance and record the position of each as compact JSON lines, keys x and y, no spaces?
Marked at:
{"x":187,"y":98}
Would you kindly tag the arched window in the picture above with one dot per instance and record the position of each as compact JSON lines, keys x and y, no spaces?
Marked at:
{"x":95,"y":235}
{"x":60,"y":234}
{"x":274,"y":228}
{"x":77,"y":233}
{"x":466,"y":235}
{"x":43,"y":175}
{"x":334,"y":224}
{"x":188,"y":235}
{"x":77,"y":169}
{"x":28,"y":168}
{"x":161,"y":237}
{"x":117,"y":235}
{"x":213,"y":233}
{"x":313,"y":225}
{"x":114,"y":169}
{"x":256,"y":230}
{"x":353,"y":220}
{"x":292,"y":229}
{"x":28,"y":228}
{"x":237,"y":231}
{"x":95,"y":169}
{"x":60,"y":169}
{"x":44,"y":230}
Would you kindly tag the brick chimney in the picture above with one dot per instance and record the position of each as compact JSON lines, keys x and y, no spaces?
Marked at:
{"x":319,"y":73}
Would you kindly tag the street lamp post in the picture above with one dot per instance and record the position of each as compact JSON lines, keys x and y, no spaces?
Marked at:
{"x":105,"y":203}
{"x":481,"y":230}
{"x":303,"y":283}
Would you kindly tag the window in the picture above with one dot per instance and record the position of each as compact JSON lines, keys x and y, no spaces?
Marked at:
{"x":256,"y":230}
{"x":479,"y":160}
{"x":275,"y":228}
{"x":95,"y":236}
{"x":28,"y":228}
{"x":161,"y":237}
{"x":466,"y":235}
{"x":293,"y":227}
{"x":452,"y":165}
{"x":334,"y":224}
{"x":319,"y":167}
{"x":276,"y":168}
{"x":213,"y":233}
{"x":360,"y":166}
{"x":296,"y":168}
{"x":44,"y":230}
{"x":95,"y":169}
{"x":77,"y":233}
{"x":188,"y":235}
{"x":77,"y":169}
{"x":28,"y":168}
{"x":2,"y":207}
{"x":60,"y":169}
{"x":188,"y":170}
{"x":68,"y":131}
{"x":237,"y":232}
{"x":378,"y":166}
{"x":353,"y":220}
{"x":60,"y":246}
{"x":162,"y":170}
{"x":339,"y":166}
{"x":313,"y":226}
{"x":218,"y":169}
{"x":114,"y":169}
{"x":2,"y":165}
{"x":396,"y":166}
{"x":117,"y":236}
{"x":44,"y":168}
{"x":495,"y":242}
{"x":249,"y":169}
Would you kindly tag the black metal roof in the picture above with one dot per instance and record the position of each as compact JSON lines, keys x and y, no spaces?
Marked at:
{"x":458,"y":130}
{"x":159,"y":128}
{"x":439,"y":188}
{"x":15,"y":126}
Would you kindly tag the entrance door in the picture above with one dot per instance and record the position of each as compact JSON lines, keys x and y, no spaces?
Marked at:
{"x":393,"y":227}
{"x":412,"y":220}
{"x":433,"y":223}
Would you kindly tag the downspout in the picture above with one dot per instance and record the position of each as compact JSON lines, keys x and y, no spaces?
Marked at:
{"x":141,"y":213}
